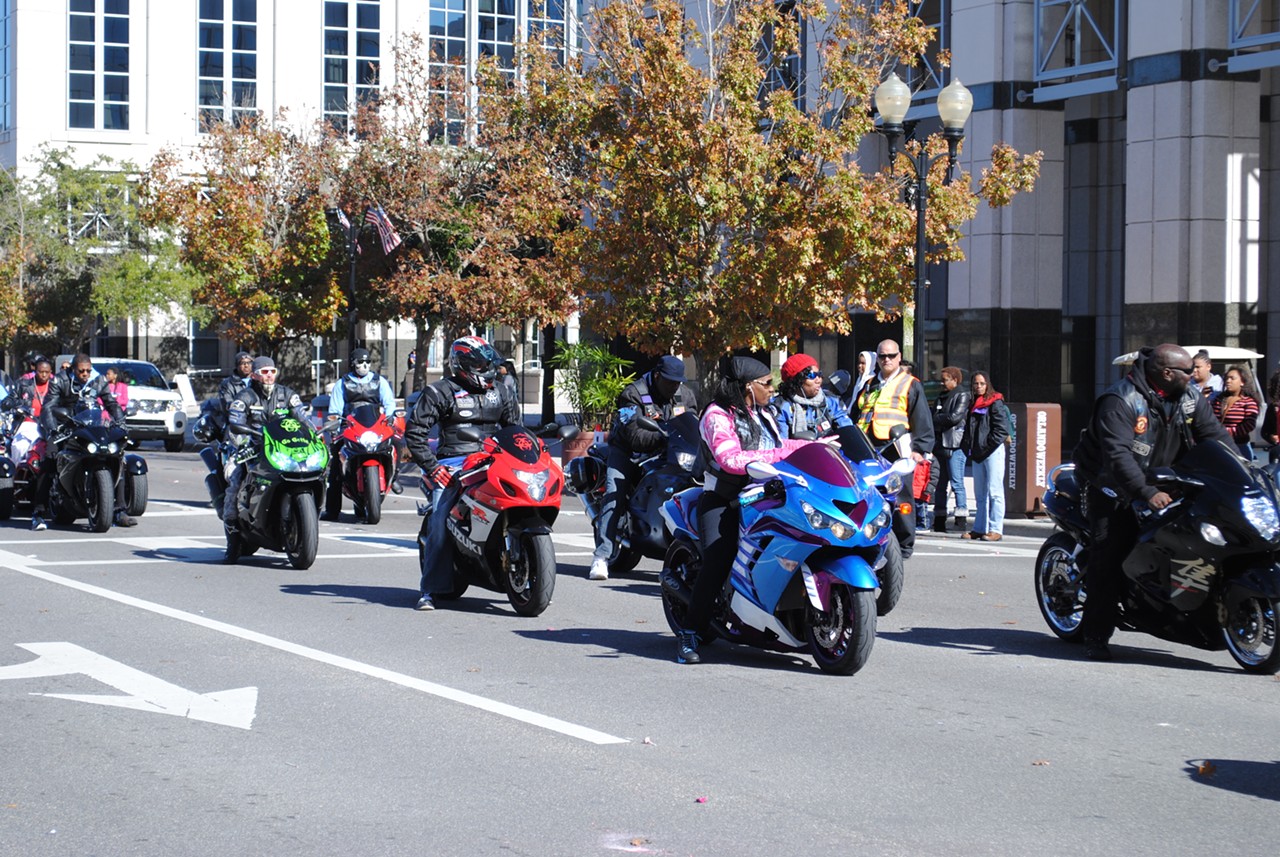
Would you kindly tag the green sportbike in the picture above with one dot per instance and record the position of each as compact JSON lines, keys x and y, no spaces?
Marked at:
{"x":282,"y":490}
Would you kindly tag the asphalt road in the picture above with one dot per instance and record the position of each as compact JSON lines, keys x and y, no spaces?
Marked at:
{"x":155,"y":702}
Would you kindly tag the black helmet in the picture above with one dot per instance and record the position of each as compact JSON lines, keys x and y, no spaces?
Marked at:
{"x":32,"y":358}
{"x":360,"y":356}
{"x":474,"y":362}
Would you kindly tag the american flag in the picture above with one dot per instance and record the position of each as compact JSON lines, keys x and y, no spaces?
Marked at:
{"x":346,"y":228}
{"x":386,"y":232}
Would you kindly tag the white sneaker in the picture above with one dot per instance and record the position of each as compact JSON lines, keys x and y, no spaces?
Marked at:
{"x":599,"y":570}
{"x":37,"y":523}
{"x":425,"y":603}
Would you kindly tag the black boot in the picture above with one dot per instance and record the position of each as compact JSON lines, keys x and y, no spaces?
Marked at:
{"x":232,"y":556}
{"x":688,"y":651}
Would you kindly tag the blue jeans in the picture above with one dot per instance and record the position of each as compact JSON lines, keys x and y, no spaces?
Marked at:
{"x":437,"y":567}
{"x":614,"y":509}
{"x":988,"y":486}
{"x":951,"y":464}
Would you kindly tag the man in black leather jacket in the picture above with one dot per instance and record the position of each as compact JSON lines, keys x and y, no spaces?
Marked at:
{"x":469,"y":398}
{"x":78,"y":386}
{"x":251,"y":409}
{"x":949,"y":414}
{"x":659,"y":394}
{"x":1147,"y":420}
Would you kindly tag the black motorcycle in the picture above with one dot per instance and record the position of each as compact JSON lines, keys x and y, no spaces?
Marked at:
{"x":280,"y":496}
{"x":211,"y":429}
{"x":1204,"y":572}
{"x":91,"y":457}
{"x":641,"y":530}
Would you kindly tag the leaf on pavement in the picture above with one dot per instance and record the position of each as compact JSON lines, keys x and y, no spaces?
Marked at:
{"x":1206,"y":769}
{"x":1040,"y":763}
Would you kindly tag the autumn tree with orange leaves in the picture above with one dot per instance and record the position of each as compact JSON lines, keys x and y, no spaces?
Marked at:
{"x":722,"y":215}
{"x":478,"y":203}
{"x":249,"y":208}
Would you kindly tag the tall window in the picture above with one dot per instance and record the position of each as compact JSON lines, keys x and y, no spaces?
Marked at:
{"x":6,"y":65}
{"x":98,"y":64}
{"x":227,"y":59}
{"x":351,"y":37}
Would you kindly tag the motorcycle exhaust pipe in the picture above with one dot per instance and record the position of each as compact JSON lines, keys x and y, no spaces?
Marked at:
{"x":675,"y":587}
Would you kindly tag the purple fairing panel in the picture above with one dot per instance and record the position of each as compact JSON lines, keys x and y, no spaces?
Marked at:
{"x":823,"y":462}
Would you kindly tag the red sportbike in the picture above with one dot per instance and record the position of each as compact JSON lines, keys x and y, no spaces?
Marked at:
{"x":501,"y":524}
{"x":367,"y":456}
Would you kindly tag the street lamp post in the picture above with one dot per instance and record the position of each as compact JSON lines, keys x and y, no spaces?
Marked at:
{"x":352,"y":231}
{"x":893,"y":100}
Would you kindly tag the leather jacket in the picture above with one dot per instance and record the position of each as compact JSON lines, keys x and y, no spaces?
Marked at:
{"x":949,"y":414}
{"x":452,"y":406}
{"x":66,"y":391}
{"x":251,"y":409}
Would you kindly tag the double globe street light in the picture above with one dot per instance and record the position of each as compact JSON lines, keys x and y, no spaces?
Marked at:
{"x":955,"y":103}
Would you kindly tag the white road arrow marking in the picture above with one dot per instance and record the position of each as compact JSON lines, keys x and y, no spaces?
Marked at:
{"x":144,"y":692}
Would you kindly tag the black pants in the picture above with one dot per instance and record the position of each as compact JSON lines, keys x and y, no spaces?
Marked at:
{"x":904,"y":523}
{"x":718,"y":533}
{"x":1115,"y":532}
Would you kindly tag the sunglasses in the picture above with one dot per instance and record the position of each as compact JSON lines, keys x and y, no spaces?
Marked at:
{"x":811,"y":374}
{"x":894,"y":356}
{"x":1182,"y":370}
{"x":768,"y":383}
{"x":266,"y":372}
{"x":364,"y":362}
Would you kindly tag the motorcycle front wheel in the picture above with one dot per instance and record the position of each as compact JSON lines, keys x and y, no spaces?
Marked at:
{"x":681,"y":564}
{"x":135,"y":493}
{"x":302,"y":531}
{"x":100,"y":498}
{"x":372,"y":494}
{"x":891,"y":574}
{"x":531,"y":580}
{"x":1060,"y":586}
{"x":1250,"y":633}
{"x":842,"y":637}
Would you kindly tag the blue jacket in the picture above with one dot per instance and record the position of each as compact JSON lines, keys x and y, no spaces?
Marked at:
{"x":818,"y":420}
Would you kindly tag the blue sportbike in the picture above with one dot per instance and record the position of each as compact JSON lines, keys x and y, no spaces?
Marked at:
{"x":812,"y":535}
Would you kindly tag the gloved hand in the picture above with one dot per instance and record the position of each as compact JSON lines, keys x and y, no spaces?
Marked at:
{"x":441,"y":476}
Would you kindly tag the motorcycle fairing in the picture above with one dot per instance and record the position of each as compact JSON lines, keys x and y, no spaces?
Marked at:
{"x":135,"y":464}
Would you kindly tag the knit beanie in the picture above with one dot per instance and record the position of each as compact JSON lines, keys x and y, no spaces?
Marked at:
{"x":796,"y":364}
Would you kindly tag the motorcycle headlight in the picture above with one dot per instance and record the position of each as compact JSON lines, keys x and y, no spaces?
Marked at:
{"x":535,"y":483}
{"x":91,"y":447}
{"x":820,"y":520}
{"x":113,"y":448}
{"x":318,"y":459}
{"x":686,"y":460}
{"x":1261,"y":515}
{"x":873,"y":527}
{"x":370,"y":440}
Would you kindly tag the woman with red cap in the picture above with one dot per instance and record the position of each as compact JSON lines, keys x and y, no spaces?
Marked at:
{"x":805,"y":410}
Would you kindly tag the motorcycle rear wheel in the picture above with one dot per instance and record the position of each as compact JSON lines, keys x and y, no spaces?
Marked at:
{"x":372,"y":494}
{"x":892,"y":575}
{"x":530,"y":582}
{"x":1250,"y":634}
{"x":135,"y":493}
{"x":101,"y":501}
{"x":841,"y":638}
{"x":1060,"y":587}
{"x":302,"y":531}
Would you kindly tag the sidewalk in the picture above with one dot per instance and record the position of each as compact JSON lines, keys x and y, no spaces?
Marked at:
{"x":1036,"y":528}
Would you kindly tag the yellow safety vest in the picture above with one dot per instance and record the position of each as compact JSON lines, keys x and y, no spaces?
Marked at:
{"x":885,"y":407}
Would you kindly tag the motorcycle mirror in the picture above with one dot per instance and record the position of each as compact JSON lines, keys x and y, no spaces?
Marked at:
{"x":902,"y":442}
{"x":759,"y":471}
{"x":647,"y":424}
{"x":840,"y":381}
{"x":470,"y":434}
{"x":566,"y":432}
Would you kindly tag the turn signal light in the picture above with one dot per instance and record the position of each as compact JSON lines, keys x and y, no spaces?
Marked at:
{"x":904,"y":508}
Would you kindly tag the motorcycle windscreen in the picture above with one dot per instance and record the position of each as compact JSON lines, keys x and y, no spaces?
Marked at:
{"x":823,"y":462}
{"x":366,"y":415}
{"x":854,"y":444}
{"x":519,"y":442}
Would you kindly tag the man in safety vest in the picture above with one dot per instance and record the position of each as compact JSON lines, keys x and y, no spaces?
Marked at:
{"x":894,"y":398}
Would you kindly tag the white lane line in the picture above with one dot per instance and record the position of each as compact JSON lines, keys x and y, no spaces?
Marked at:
{"x":553,"y":724}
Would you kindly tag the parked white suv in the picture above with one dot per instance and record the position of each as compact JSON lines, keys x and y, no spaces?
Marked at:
{"x":154,"y":410}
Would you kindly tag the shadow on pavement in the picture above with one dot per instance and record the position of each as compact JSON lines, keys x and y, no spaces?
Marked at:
{"x":1010,"y":641}
{"x":1246,"y":777}
{"x":660,"y":645}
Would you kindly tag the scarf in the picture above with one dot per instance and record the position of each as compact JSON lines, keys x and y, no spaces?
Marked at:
{"x":986,"y":401}
{"x":800,"y":415}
